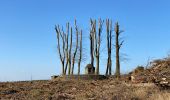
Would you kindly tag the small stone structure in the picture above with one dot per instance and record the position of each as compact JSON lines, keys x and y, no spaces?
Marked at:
{"x":89,"y":69}
{"x":89,"y":75}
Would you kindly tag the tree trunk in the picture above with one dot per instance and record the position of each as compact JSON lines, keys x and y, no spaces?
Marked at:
{"x":110,"y":48}
{"x":91,"y":50}
{"x":98,"y":42}
{"x":117,"y":63}
{"x":72,"y":70}
{"x":63,"y":73}
{"x":80,"y":51}
{"x":69,"y":69}
{"x":110,"y":68}
{"x":97,"y":65}
{"x":109,"y":45}
{"x":117,"y":56}
{"x":118,"y":46}
{"x":66,"y":50}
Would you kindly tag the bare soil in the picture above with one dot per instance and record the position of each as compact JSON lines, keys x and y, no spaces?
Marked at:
{"x":61,"y":89}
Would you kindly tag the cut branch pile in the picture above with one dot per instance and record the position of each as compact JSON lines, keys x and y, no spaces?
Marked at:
{"x":158,"y":72}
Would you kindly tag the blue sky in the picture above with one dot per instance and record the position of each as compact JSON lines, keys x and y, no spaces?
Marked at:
{"x":28,"y":39}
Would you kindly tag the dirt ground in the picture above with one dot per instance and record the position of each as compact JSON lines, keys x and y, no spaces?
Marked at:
{"x":61,"y":89}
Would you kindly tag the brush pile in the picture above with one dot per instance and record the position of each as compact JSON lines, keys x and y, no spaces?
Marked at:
{"x":157,"y":72}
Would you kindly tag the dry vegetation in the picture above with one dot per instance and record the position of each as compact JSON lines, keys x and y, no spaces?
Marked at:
{"x":158,"y":72}
{"x":146,"y":85}
{"x":61,"y":89}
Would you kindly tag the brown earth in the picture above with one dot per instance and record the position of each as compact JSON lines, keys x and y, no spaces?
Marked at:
{"x":61,"y":89}
{"x":150,"y":83}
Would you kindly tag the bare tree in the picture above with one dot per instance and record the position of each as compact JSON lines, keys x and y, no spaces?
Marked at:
{"x":61,"y":52}
{"x":66,"y":49}
{"x":75,"y":52}
{"x":117,"y":46}
{"x":69,"y":69}
{"x":80,"y":51}
{"x":109,"y":46}
{"x":92,"y":42}
{"x":64,"y":40}
{"x":97,"y":42}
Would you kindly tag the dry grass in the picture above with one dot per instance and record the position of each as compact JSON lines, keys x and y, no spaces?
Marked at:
{"x":160,"y":96}
{"x":61,"y":89}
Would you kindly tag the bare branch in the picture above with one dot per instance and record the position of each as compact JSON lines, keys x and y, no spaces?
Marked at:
{"x":120,"y":45}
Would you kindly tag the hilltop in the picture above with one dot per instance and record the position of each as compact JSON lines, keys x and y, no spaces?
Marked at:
{"x":150,"y":83}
